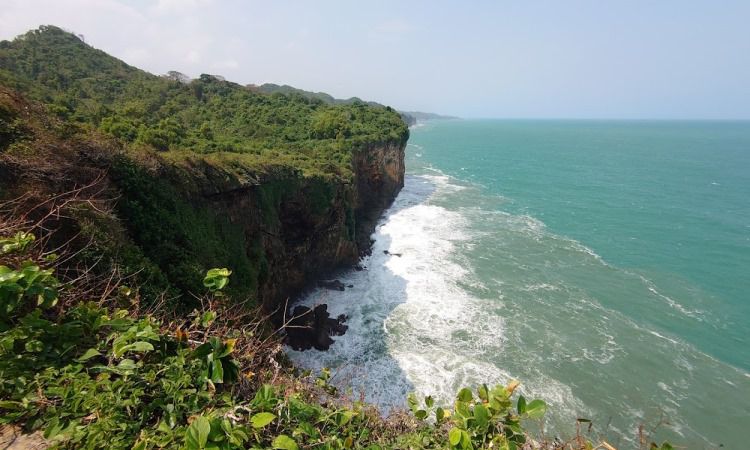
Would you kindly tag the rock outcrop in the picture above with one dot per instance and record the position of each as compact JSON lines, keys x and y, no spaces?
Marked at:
{"x":313,"y":328}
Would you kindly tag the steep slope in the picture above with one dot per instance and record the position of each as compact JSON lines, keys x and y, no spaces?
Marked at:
{"x":279,"y":188}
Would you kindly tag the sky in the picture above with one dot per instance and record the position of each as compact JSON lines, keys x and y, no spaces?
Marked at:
{"x":630,"y":59}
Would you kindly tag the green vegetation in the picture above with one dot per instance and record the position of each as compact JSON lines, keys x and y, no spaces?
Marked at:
{"x":93,"y":375}
{"x":178,"y":237}
{"x":205,"y":115}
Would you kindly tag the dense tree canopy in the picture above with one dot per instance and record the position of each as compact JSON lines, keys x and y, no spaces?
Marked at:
{"x":205,"y":115}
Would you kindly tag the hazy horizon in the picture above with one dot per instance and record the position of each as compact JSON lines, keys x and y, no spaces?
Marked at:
{"x":544,"y":60}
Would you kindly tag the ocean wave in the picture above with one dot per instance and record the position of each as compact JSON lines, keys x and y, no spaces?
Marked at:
{"x":696,"y":314}
{"x":408,"y":299}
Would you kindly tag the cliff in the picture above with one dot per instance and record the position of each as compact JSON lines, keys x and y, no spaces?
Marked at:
{"x":185,"y":175}
{"x":169,"y":219}
{"x":297,"y":229}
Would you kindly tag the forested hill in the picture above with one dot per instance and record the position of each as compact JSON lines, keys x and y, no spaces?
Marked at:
{"x":410,"y":117}
{"x":271,"y":88}
{"x":280,"y":188}
{"x":86,"y":85}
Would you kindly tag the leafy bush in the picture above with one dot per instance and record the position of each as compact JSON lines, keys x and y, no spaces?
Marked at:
{"x":92,"y":377}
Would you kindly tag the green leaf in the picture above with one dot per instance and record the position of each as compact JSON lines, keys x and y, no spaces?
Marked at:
{"x":521,"y":404}
{"x":202,"y":350}
{"x":411,"y":399}
{"x":7,"y":404}
{"x":208,"y":318}
{"x":465,"y":395}
{"x":439,"y":414}
{"x":217,"y":372}
{"x":429,"y":401}
{"x":226,"y":348}
{"x":465,"y":440}
{"x":481,"y":416}
{"x":216,"y":279}
{"x":462,"y":409}
{"x":90,"y":353}
{"x":163,"y":427}
{"x":127,"y":364}
{"x":120,"y":323}
{"x":536,"y":409}
{"x":454,"y":436}
{"x":196,"y":435}
{"x":138,"y":347}
{"x":345,"y":417}
{"x":34,"y":346}
{"x":284,"y":442}
{"x":420,"y":414}
{"x":483,"y":392}
{"x":53,"y":428}
{"x":260,"y":420}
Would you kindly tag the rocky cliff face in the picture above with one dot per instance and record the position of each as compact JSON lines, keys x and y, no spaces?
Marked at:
{"x":296,"y":229}
{"x":379,"y":174}
{"x":310,"y":241}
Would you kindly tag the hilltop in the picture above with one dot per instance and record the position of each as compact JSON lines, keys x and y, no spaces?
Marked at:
{"x":410,"y":117}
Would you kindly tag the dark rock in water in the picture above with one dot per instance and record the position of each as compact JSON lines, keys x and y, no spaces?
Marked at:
{"x":350,"y":286}
{"x":392,"y":254}
{"x":359,"y":268}
{"x":334,"y":285}
{"x":313,"y":328}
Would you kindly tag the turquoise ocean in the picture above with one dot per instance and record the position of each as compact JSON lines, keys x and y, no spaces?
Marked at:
{"x":605,"y":264}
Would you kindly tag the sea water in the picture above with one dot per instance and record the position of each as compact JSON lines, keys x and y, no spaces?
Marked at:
{"x":605,"y":264}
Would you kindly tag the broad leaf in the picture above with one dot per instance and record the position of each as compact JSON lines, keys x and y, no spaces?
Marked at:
{"x":196,"y":435}
{"x":454,"y":436}
{"x":536,"y":409}
{"x":521,"y":404}
{"x":481,"y":416}
{"x":90,"y":353}
{"x":284,"y":442}
{"x":465,"y":395}
{"x":260,"y":420}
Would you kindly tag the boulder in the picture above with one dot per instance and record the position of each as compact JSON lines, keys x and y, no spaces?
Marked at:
{"x":313,"y":328}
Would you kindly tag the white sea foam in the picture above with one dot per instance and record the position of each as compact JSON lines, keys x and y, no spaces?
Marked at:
{"x":406,"y":311}
{"x":540,"y":287}
{"x":692,"y":313}
{"x":662,"y":336}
